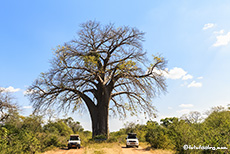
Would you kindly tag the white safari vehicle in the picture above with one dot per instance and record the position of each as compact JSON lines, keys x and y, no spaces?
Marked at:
{"x":132,"y":140}
{"x":74,"y":141}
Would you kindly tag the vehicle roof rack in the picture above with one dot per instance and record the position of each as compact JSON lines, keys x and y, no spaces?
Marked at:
{"x":74,"y":135}
{"x":132,"y":134}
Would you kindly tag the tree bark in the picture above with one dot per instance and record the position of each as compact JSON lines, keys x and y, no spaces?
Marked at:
{"x":100,"y":116}
{"x":100,"y":119}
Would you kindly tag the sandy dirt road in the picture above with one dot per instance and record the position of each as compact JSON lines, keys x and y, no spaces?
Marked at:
{"x":123,"y":150}
{"x":118,"y":150}
{"x":66,"y":151}
{"x":139,"y":150}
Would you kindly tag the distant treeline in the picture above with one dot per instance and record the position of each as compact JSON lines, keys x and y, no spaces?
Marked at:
{"x":191,"y":130}
{"x":22,"y":135}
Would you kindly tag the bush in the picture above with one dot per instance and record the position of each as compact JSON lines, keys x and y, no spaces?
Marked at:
{"x":54,"y":140}
{"x":3,"y":138}
{"x":158,"y":138}
{"x":112,"y":139}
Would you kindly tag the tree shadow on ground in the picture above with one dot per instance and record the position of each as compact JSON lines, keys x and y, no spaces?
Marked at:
{"x":64,"y":148}
{"x":135,"y":148}
{"x":128,"y":147}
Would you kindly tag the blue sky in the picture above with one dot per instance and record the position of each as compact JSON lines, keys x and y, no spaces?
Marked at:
{"x":193,"y":35}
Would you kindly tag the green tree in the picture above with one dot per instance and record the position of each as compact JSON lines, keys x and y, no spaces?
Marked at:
{"x":216,"y":130}
{"x":56,"y":134}
{"x":74,"y":125}
{"x":157,"y":136}
{"x":29,"y":142}
{"x":168,"y":121}
{"x":32,"y":123}
{"x":192,"y":117}
{"x":105,"y":67}
{"x":58,"y":127}
{"x":20,"y":137}
{"x":3,"y":138}
{"x":182,"y":132}
{"x":6,"y":105}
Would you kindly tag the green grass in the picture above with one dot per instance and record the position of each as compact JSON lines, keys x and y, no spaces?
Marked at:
{"x":99,"y":152}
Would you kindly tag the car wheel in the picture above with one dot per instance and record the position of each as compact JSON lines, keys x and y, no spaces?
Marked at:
{"x":137,"y":146}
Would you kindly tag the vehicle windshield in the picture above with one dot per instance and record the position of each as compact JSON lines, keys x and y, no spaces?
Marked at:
{"x":132,"y":137}
{"x":74,"y":137}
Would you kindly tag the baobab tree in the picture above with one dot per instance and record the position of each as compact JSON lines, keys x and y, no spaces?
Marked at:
{"x":104,"y":68}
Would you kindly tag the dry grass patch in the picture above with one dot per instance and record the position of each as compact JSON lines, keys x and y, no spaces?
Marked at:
{"x":162,"y":151}
{"x":147,"y":146}
{"x":102,"y":148}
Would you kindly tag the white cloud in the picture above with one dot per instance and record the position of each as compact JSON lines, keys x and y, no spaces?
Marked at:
{"x":170,"y":108}
{"x":27,"y":107}
{"x":222,"y":40}
{"x":186,"y":105}
{"x":159,"y":72}
{"x":219,"y":32}
{"x":183,"y":111}
{"x":178,"y":73}
{"x":10,"y":89}
{"x":201,"y":77}
{"x":26,"y":92}
{"x":175,"y":73}
{"x":195,"y":84}
{"x":207,"y":26}
{"x":186,"y":77}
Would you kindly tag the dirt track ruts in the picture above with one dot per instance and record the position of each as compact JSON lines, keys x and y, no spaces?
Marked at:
{"x":139,"y":150}
{"x":66,"y":151}
{"x":123,"y":150}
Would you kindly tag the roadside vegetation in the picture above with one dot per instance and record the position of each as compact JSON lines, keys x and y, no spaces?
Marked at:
{"x":193,"y":129}
{"x":31,"y":134}
{"x":22,"y":135}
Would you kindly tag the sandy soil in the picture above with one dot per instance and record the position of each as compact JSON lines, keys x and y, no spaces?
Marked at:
{"x":65,"y":151}
{"x":123,"y":150}
{"x":139,"y":150}
{"x":118,"y":150}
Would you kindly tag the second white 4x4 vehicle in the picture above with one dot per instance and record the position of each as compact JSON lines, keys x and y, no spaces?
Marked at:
{"x":132,"y":140}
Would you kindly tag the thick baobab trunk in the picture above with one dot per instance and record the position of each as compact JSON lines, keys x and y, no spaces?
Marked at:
{"x":100,"y":114}
{"x":100,"y":121}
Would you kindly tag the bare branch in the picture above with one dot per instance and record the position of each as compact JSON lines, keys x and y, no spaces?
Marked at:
{"x":104,"y":66}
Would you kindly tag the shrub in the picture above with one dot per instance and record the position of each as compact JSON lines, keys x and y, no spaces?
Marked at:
{"x":158,"y":138}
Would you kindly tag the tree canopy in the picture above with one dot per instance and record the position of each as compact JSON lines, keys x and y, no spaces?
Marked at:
{"x":104,"y":68}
